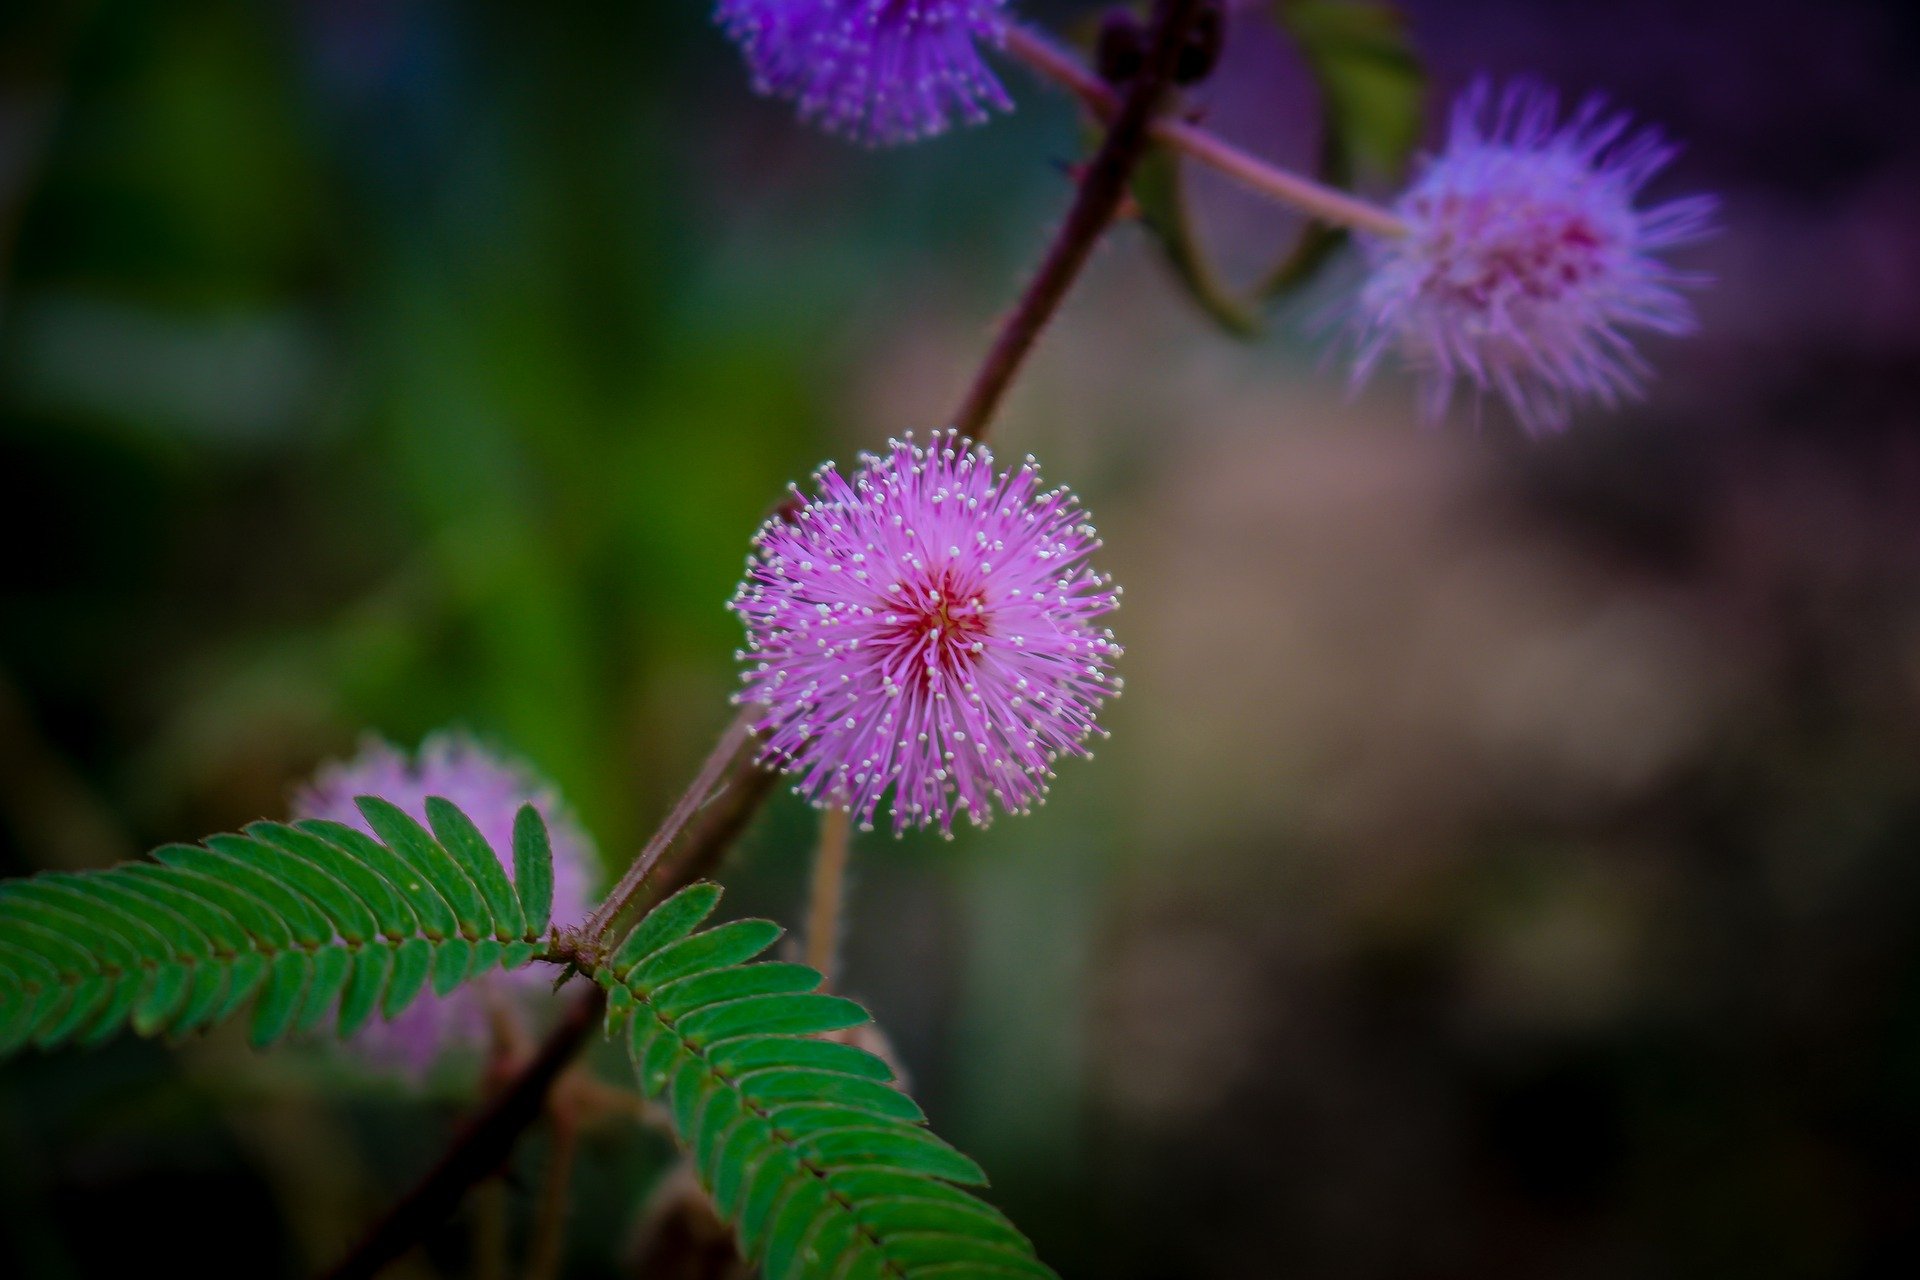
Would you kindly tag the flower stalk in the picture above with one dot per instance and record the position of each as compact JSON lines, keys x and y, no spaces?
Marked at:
{"x":1294,"y":190}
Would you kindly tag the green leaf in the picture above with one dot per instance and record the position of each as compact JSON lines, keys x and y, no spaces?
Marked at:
{"x":433,"y":916}
{"x":332,"y":966}
{"x":476,"y":857}
{"x":452,"y":960}
{"x":737,"y":1057}
{"x":412,"y":960}
{"x":362,"y":996}
{"x":824,"y":1169}
{"x":675,"y":918}
{"x":804,"y":1015}
{"x":532,"y":869}
{"x":769,"y":979}
{"x":393,"y":918}
{"x":301,"y":920}
{"x":344,"y":914}
{"x":273,"y":1013}
{"x":731,"y":943}
{"x":431,"y":862}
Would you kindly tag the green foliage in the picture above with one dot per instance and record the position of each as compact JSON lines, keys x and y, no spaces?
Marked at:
{"x":303,"y":919}
{"x":822,"y":1166}
{"x":1371,"y":89}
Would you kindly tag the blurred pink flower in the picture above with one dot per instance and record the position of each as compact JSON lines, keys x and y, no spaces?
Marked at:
{"x":1526,"y":262}
{"x":929,"y":626}
{"x":489,"y":789}
{"x":878,"y":71}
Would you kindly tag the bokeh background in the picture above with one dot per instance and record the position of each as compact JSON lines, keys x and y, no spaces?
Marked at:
{"x":1507,"y":858}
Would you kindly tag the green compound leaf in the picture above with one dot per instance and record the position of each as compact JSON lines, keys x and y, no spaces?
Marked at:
{"x":823,"y":1168}
{"x":302,"y":921}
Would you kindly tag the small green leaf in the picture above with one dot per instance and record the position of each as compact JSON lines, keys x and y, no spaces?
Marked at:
{"x":463,"y":840}
{"x":274,"y":1011}
{"x":532,"y":869}
{"x":737,"y":1057}
{"x":110,"y":1016}
{"x":435,"y":918}
{"x":731,"y":943}
{"x":166,"y":990}
{"x":210,"y":918}
{"x":62,"y":1020}
{"x":802,"y":1015}
{"x":770,"y":1089}
{"x":411,"y":961}
{"x":913,"y":1150}
{"x":244,"y":975}
{"x":451,"y":961}
{"x":362,"y":996}
{"x":673,"y":919}
{"x":773,"y":978}
{"x":287,"y":907}
{"x":332,"y":966}
{"x":792,"y":1221}
{"x":204,"y":989}
{"x":431,"y":862}
{"x":393,"y":918}
{"x":345,"y":914}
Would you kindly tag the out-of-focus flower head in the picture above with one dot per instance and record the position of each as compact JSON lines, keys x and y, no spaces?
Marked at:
{"x":489,"y":789}
{"x":927,"y":625}
{"x":1526,"y":262}
{"x":877,"y":71}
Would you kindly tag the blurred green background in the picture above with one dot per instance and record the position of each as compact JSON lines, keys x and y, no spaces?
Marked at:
{"x":1505,"y":860}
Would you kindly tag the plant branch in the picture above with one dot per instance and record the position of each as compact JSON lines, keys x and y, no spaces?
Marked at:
{"x":719,"y":762}
{"x":490,"y":1136}
{"x":1323,"y":202}
{"x":828,"y":890}
{"x":1103,"y":187}
{"x":480,"y":1148}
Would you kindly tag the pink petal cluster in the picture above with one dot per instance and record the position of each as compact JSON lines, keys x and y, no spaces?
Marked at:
{"x":878,"y":71}
{"x":1526,"y":262}
{"x":489,"y":789}
{"x":927,"y":626}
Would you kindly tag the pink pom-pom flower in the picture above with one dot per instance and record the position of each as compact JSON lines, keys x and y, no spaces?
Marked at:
{"x":1527,"y":262}
{"x":489,"y":789}
{"x":927,"y":626}
{"x":877,"y":71}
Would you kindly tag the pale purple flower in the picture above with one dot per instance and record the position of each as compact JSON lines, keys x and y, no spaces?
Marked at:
{"x":489,"y":789}
{"x":927,"y":625}
{"x":1526,"y":262}
{"x":878,"y":71}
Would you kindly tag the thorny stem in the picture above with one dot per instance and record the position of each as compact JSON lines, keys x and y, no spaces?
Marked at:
{"x":828,"y":890}
{"x":1323,"y":202}
{"x":711,"y":774}
{"x":550,"y":1227}
{"x":1103,"y":186}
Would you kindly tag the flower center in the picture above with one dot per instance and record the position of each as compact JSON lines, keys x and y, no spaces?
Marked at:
{"x":944,"y":629}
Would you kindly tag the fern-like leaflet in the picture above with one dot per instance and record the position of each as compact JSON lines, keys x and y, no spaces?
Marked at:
{"x":826,"y":1171}
{"x":303,"y":918}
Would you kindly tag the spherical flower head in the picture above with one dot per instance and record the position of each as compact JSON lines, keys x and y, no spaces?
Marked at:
{"x":927,"y":626}
{"x":489,"y":789}
{"x":1526,"y":262}
{"x":878,"y":71}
